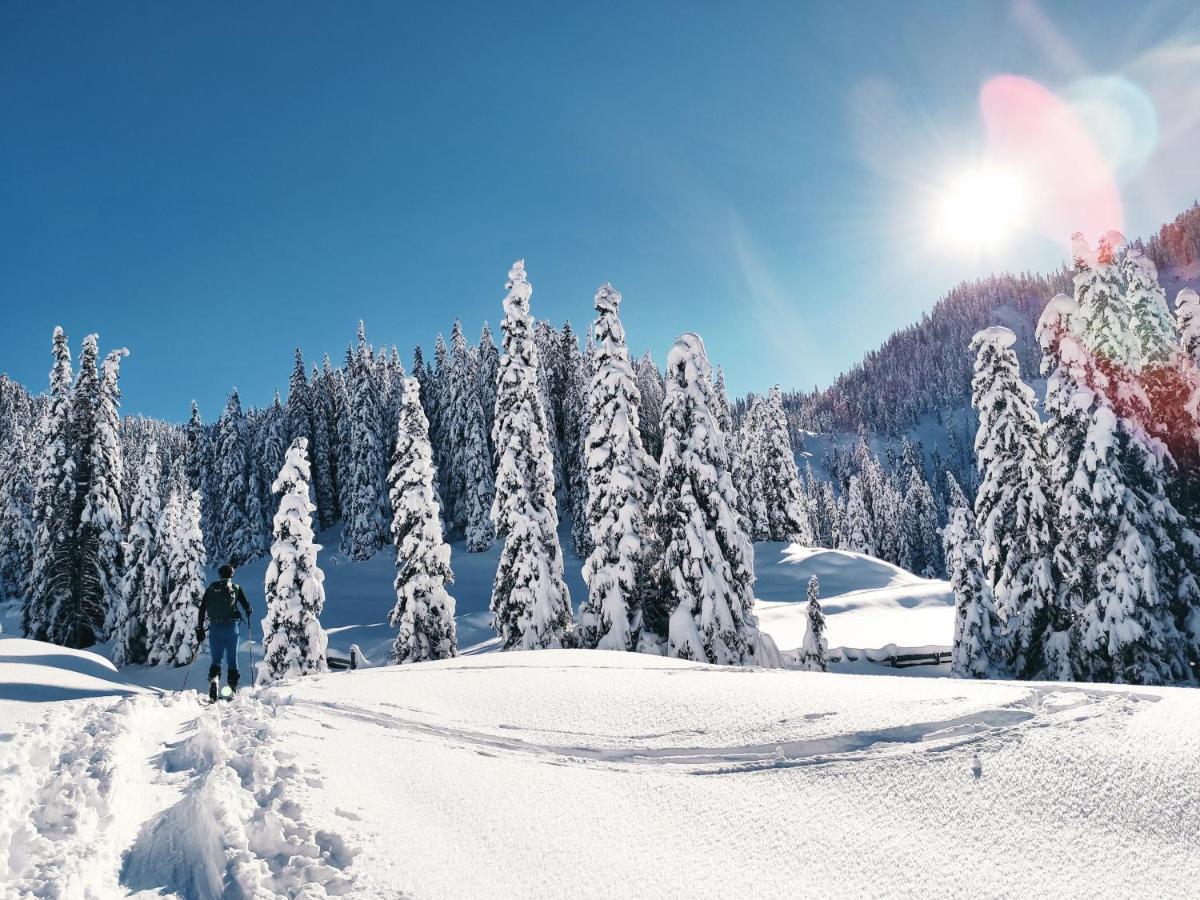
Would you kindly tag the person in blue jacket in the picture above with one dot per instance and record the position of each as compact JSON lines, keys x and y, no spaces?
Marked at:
{"x":226,"y":607}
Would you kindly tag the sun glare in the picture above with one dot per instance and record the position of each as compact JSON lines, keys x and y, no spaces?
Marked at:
{"x":980,"y":208}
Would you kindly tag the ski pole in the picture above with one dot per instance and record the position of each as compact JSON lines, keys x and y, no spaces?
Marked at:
{"x":188,"y":673}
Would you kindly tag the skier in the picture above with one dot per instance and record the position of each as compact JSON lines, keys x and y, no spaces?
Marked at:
{"x":226,"y":605}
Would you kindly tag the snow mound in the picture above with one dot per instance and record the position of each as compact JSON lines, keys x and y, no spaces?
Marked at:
{"x":995,"y":334}
{"x":868,"y":604}
{"x":37,"y":672}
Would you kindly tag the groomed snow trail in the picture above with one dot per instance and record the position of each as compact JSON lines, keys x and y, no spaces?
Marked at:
{"x":163,"y":795}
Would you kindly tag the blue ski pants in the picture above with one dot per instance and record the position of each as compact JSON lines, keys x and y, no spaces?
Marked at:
{"x":223,"y":640}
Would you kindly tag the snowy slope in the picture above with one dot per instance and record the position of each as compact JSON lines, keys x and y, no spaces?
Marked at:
{"x":593,"y":774}
{"x":868,"y":603}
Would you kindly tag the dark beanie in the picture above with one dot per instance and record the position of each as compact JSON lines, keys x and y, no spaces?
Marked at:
{"x":226,"y":571}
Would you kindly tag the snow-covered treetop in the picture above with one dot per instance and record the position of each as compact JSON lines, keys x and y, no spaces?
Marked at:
{"x":994,"y":334}
{"x":688,"y":350}
{"x":608,"y":299}
{"x":295,"y":469}
{"x":1057,"y":317}
{"x":519,"y":289}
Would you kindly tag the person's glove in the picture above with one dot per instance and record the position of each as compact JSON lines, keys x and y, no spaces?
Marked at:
{"x":199,"y":632}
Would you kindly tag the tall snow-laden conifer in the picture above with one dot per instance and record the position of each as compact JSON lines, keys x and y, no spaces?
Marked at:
{"x":787,"y":515}
{"x":54,"y":497}
{"x":142,"y":587}
{"x":651,"y":390}
{"x":16,"y":521}
{"x":233,"y":529}
{"x":97,"y":518}
{"x":424,"y":612}
{"x":531,"y":606}
{"x":184,"y":562}
{"x":859,"y":535}
{"x":1012,"y":509}
{"x":299,"y":405}
{"x":198,"y":458}
{"x":467,"y":478}
{"x":323,"y":455}
{"x":488,"y":370}
{"x":1127,"y":633}
{"x":293,"y":641}
{"x":574,"y":393}
{"x":366,"y":527}
{"x":705,"y":574}
{"x":979,"y":648}
{"x":1068,"y":407}
{"x":919,"y":549}
{"x":619,"y":478}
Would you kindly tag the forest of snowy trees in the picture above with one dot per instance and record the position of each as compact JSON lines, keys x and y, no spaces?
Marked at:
{"x":1069,"y":542}
{"x":1079,"y":559}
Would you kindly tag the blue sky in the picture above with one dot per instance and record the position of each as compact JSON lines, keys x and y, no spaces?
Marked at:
{"x":211,"y":185}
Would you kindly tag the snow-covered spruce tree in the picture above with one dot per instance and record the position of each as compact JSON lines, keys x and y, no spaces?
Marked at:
{"x":651,"y":390}
{"x":786,"y":506}
{"x":293,"y":640}
{"x":366,"y":528}
{"x":1143,"y":477}
{"x":198,"y":455}
{"x":1153,"y":329}
{"x":1127,"y":634}
{"x":424,"y":375}
{"x":424,"y":611}
{"x":142,"y":586}
{"x":184,"y":563}
{"x":814,"y":651}
{"x":97,"y":515}
{"x":619,"y":478}
{"x":1012,"y":509}
{"x":271,"y":443}
{"x":576,"y":376}
{"x":724,"y":415}
{"x":323,"y":461}
{"x":531,"y":606}
{"x":234,"y":536}
{"x":16,"y":518}
{"x":1068,"y":409}
{"x":546,"y":341}
{"x":54,"y":498}
{"x":1187,"y":322}
{"x":339,"y":388}
{"x":1105,"y":320}
{"x":979,"y":647}
{"x":859,"y":535}
{"x":488,"y":369}
{"x":748,"y":481}
{"x":467,"y":481}
{"x":704,"y":576}
{"x":919,"y":550}
{"x":299,"y":404}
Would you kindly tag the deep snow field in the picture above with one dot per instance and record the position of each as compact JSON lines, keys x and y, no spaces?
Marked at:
{"x":586,"y":774}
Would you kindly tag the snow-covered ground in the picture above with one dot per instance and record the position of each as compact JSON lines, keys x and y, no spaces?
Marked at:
{"x":868,"y":603}
{"x":585,"y":773}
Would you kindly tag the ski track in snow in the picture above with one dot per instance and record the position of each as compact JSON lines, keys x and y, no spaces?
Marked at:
{"x":1040,"y":708}
{"x":97,"y":802}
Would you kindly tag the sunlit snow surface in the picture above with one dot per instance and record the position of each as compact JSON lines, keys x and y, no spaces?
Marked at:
{"x":594,"y":774}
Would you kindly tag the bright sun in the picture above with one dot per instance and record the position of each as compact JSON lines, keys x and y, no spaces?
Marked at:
{"x":980,"y":207}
